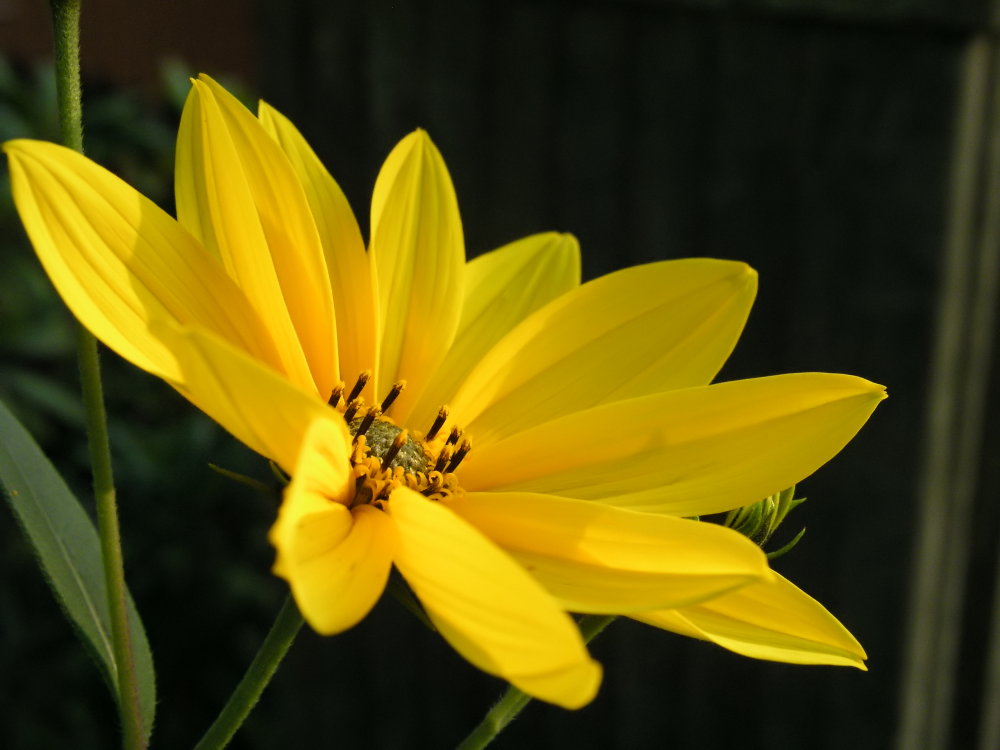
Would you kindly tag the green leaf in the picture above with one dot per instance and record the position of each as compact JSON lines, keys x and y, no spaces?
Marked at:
{"x":69,"y":553}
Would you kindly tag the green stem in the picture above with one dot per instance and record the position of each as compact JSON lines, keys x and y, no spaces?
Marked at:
{"x":133,"y":732}
{"x":258,"y":675}
{"x":514,"y":700}
{"x":66,"y":33}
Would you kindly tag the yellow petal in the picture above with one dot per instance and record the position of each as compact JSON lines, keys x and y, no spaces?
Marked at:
{"x":773,"y":620}
{"x":595,"y":558}
{"x":323,"y":468}
{"x":255,"y":404}
{"x":236,"y":191}
{"x":418,"y":254}
{"x":641,"y":330}
{"x":120,"y":262}
{"x":487,"y":606}
{"x":501,"y":289}
{"x":336,"y":560}
{"x":688,"y":452}
{"x":350,"y":273}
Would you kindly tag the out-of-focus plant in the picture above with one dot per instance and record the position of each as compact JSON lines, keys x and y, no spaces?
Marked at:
{"x":124,"y":131}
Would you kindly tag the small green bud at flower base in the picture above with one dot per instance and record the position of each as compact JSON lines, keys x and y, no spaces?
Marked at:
{"x":760,"y":520}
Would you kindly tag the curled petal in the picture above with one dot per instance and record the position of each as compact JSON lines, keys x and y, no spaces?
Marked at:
{"x":337,"y":561}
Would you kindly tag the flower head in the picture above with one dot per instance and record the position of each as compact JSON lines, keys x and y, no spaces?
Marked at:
{"x":516,"y":444}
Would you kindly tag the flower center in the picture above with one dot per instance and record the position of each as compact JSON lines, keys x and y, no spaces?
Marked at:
{"x":386,"y":456}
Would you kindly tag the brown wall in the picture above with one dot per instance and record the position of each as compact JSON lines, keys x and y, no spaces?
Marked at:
{"x":125,"y":42}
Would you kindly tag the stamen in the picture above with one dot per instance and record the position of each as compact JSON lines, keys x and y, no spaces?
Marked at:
{"x":336,"y":393}
{"x":397,"y":388}
{"x":367,"y":421}
{"x":461,"y":453}
{"x":385,"y":456}
{"x":359,"y":386}
{"x":435,"y":481}
{"x":439,"y":421}
{"x":352,"y":408}
{"x":397,"y":445}
{"x":443,"y":458}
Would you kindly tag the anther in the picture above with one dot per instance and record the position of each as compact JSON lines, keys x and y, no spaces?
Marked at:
{"x":454,"y":435}
{"x":336,"y":393}
{"x":397,"y":445}
{"x":461,"y":453}
{"x":359,"y":386}
{"x":434,"y":483}
{"x":370,"y":416}
{"x":352,"y":408}
{"x":397,"y":388}
{"x":439,"y":421}
{"x":443,"y":458}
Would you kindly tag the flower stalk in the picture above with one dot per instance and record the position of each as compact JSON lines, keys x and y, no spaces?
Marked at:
{"x":514,"y":700}
{"x":66,"y":33}
{"x":276,"y":644}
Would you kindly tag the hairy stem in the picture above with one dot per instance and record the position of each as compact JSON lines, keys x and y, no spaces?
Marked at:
{"x":514,"y":700}
{"x":286,"y":626}
{"x":66,"y":33}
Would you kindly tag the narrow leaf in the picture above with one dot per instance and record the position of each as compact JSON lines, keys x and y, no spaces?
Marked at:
{"x":69,"y":553}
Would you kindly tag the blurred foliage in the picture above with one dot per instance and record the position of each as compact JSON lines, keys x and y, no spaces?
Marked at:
{"x":179,"y":518}
{"x":36,"y":337}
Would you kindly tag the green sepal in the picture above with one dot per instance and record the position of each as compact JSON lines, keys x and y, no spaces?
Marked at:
{"x":279,"y":474}
{"x":781,"y":551}
{"x":256,"y":484}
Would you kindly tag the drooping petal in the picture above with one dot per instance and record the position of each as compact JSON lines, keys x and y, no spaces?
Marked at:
{"x":642,"y":330}
{"x":595,"y":558}
{"x":418,"y":253}
{"x":772,"y":620}
{"x":487,"y":606}
{"x":688,"y":452}
{"x":237,"y":192}
{"x":255,"y":404}
{"x":350,"y":272}
{"x":502,"y":288}
{"x":336,"y":560}
{"x":119,"y":262}
{"x":323,"y":468}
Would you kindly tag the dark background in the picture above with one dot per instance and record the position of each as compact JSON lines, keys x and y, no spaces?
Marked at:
{"x":847,"y":150}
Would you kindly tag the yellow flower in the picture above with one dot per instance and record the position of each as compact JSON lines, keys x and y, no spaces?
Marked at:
{"x":581,"y":428}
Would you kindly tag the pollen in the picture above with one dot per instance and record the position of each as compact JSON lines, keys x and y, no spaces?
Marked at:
{"x":386,"y":456}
